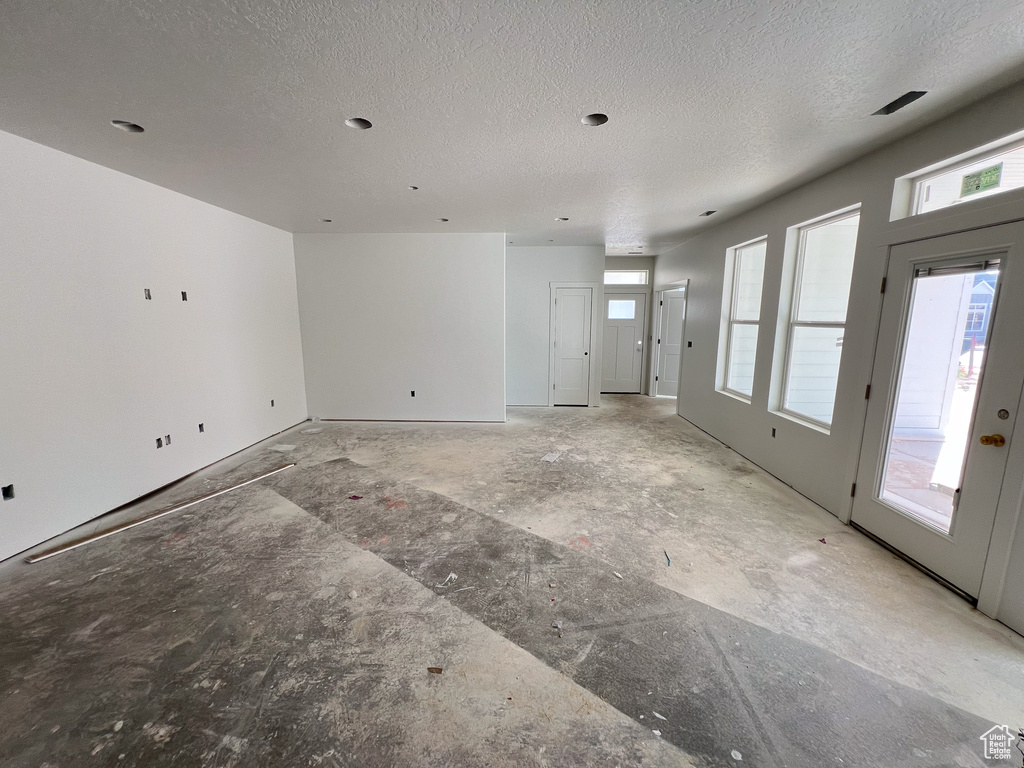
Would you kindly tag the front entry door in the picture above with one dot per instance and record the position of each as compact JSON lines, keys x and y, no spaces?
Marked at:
{"x":623,"y":353}
{"x":672,"y":310}
{"x":572,"y":346}
{"x":947,"y":377}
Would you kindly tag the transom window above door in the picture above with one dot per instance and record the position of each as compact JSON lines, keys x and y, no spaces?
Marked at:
{"x":625,"y":277}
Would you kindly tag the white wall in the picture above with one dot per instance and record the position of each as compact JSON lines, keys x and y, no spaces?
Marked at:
{"x":384,"y":315}
{"x":817,"y":464}
{"x":93,"y":373}
{"x":528,"y":274}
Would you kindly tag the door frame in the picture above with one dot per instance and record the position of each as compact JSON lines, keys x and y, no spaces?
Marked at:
{"x":656,"y":327}
{"x":647,"y":329}
{"x":596,"y":339}
{"x":1009,"y":518}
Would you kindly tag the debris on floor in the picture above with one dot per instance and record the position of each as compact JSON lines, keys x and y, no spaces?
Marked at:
{"x":667,"y":557}
{"x":435,"y":670}
{"x":617,"y":574}
{"x":736,"y":755}
{"x":552,"y":585}
{"x":282,"y":448}
{"x":312,"y":430}
{"x":660,"y":717}
{"x":353,"y":497}
{"x":552,"y":457}
{"x":671,"y":515}
{"x":452,"y":578}
{"x":557,"y":625}
{"x":823,"y":541}
{"x":353,"y":595}
{"x":655,"y":731}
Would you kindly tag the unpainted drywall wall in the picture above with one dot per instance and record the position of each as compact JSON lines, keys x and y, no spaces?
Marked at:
{"x":819,"y":465}
{"x":387,"y":315}
{"x":529,"y":272}
{"x":93,"y":372}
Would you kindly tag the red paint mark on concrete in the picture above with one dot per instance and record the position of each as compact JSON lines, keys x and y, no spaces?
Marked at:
{"x":579,"y":542}
{"x":175,"y":538}
{"x":395,"y":503}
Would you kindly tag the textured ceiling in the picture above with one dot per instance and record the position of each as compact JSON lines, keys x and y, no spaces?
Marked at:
{"x":713,"y":104}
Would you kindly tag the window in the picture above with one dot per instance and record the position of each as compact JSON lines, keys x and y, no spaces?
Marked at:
{"x":821,"y":291}
{"x":978,"y":175}
{"x":625,"y":277}
{"x":744,"y":303}
{"x":621,"y":309}
{"x":976,"y":317}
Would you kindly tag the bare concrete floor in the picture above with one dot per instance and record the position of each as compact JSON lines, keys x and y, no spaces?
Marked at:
{"x":288,"y":624}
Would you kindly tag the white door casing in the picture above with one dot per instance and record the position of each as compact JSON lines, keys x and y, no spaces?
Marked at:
{"x":623,"y":350}
{"x":989,"y":496}
{"x":669,"y":344}
{"x":571,"y":342}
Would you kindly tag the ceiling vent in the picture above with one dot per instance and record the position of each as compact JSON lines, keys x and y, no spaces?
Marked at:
{"x":707,"y":213}
{"x":129,"y":127}
{"x":894,"y":106}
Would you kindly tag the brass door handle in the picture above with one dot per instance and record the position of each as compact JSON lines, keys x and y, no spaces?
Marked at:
{"x":997,"y":440}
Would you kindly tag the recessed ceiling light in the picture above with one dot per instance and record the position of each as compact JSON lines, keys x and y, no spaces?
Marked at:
{"x":707,"y":213}
{"x":897,"y":104}
{"x":562,"y":218}
{"x":358,"y":122}
{"x":413,"y":188}
{"x":441,"y":220}
{"x":551,"y":241}
{"x":125,"y":125}
{"x":634,"y":253}
{"x":595,"y":119}
{"x":326,"y":221}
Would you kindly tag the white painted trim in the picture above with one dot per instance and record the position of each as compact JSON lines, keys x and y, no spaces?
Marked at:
{"x":596,"y":339}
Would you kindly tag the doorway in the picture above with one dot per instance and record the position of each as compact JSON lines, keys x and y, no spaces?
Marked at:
{"x":622,"y":360}
{"x":670,"y":317}
{"x":571,"y":326}
{"x":948,"y":371}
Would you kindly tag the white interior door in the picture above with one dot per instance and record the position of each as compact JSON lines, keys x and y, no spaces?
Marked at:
{"x":947,"y":378}
{"x":572,"y":346}
{"x":672,"y":311}
{"x":622,"y":358}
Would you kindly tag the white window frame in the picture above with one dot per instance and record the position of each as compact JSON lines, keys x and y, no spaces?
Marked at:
{"x":794,"y":309}
{"x":734,"y":257}
{"x":646,"y":282}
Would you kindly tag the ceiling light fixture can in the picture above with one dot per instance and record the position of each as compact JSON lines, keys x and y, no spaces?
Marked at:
{"x":442,"y":220}
{"x":594,"y":119}
{"x":326,"y":221}
{"x":127,"y":126}
{"x":413,"y":188}
{"x":562,"y":218}
{"x":358,"y":122}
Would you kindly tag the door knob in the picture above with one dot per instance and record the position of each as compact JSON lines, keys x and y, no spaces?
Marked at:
{"x":997,"y":440}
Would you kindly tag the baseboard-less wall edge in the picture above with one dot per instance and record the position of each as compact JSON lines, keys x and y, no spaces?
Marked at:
{"x":80,"y":542}
{"x":155,"y":491}
{"x":423,"y":421}
{"x":770,"y":474}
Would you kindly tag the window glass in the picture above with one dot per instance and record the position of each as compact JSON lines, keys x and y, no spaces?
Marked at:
{"x":742,"y":351}
{"x":621,"y":309}
{"x":625,"y":277}
{"x":738,"y":345}
{"x":749,"y":274}
{"x":821,"y":294}
{"x":994,"y":172}
{"x":827,"y":270}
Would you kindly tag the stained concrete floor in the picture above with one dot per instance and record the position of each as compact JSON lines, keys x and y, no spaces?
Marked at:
{"x":286,"y":624}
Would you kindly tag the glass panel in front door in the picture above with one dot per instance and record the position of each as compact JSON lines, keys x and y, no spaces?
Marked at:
{"x":943,"y":355}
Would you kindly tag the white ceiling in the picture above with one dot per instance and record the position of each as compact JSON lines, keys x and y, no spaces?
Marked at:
{"x":714,"y":104}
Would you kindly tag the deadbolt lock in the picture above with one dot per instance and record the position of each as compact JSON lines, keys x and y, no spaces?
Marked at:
{"x":997,"y":440}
